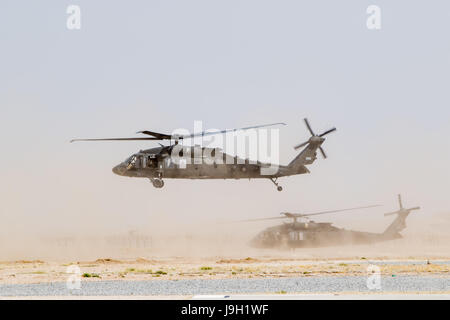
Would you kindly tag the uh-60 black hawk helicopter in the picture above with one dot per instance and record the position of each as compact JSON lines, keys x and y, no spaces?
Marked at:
{"x":307,"y":233}
{"x":169,"y":162}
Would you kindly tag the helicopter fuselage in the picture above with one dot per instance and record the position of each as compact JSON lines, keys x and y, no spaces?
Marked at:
{"x":198,"y":163}
{"x":311,"y":234}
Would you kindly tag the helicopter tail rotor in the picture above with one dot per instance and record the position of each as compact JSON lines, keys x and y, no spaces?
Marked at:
{"x":402,"y":210}
{"x":315,"y":138}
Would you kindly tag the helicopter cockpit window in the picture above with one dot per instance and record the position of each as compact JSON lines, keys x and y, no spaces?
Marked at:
{"x":131,"y":161}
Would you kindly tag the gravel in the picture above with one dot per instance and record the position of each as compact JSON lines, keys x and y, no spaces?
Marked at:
{"x":321,"y":284}
{"x":408,"y":263}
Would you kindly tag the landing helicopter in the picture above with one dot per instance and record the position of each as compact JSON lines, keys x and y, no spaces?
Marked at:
{"x":178,"y":162}
{"x":308,"y":233}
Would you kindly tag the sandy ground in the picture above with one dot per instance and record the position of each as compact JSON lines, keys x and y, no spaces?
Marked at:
{"x":37,"y":271}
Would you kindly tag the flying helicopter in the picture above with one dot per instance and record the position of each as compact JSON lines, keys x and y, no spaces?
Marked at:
{"x":307,"y":233}
{"x":175,"y":161}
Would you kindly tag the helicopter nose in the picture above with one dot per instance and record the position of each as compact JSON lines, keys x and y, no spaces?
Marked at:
{"x":119,"y":169}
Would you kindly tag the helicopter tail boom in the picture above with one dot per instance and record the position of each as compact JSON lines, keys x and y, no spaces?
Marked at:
{"x":399,"y":223}
{"x":307,"y":156}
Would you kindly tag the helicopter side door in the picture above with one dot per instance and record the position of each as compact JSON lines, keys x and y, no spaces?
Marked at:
{"x":144,"y":161}
{"x":152,"y":161}
{"x":183,"y":166}
{"x":296,"y":238}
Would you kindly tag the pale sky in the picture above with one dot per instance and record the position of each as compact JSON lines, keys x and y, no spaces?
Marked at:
{"x":161,"y":65}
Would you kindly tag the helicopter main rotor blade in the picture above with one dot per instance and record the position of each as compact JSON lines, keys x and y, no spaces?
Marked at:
{"x":332,"y":211}
{"x":114,"y":139}
{"x":206,"y":133}
{"x":163,"y":136}
{"x":288,"y":215}
{"x":261,"y":219}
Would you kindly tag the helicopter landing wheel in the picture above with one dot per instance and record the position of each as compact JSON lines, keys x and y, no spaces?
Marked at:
{"x":157,"y":183}
{"x":274,"y":181}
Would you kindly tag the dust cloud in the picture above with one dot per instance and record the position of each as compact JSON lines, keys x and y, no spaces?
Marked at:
{"x":424,"y":238}
{"x":64,"y":203}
